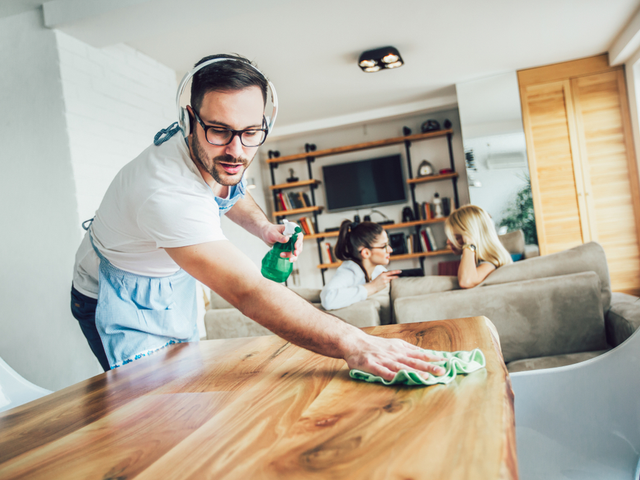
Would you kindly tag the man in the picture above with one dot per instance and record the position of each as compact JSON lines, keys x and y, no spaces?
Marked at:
{"x":158,"y":228}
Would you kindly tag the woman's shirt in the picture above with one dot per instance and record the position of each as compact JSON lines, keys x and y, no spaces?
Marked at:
{"x":347,"y":286}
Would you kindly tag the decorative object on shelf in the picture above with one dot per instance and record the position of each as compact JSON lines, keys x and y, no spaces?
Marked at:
{"x":397,"y":243}
{"x":470,"y":161}
{"x":380,"y":59}
{"x":430,"y":126}
{"x":445,"y":171}
{"x":273,"y":153}
{"x":438,"y":210}
{"x":292,"y":178}
{"x":407,"y":215}
{"x":356,"y":218}
{"x":367,"y":218}
{"x":425,"y":169}
{"x":447,"y":124}
{"x":446,"y":206}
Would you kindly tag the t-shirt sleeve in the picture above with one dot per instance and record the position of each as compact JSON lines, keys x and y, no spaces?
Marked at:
{"x":177,"y":218}
{"x":343,"y":290}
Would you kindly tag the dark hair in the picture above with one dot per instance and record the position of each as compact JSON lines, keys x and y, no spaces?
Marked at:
{"x":353,"y":237}
{"x":221,"y":76}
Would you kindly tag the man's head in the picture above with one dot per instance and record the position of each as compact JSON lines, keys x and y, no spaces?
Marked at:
{"x":226,"y":95}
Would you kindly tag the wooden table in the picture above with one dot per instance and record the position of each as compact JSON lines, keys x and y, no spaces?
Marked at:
{"x":262,"y":408}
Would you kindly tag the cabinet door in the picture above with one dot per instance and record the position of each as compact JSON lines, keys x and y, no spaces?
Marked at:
{"x":610,"y":172}
{"x":556,"y":181}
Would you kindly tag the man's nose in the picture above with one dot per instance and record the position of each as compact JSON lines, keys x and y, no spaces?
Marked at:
{"x":235,"y":147}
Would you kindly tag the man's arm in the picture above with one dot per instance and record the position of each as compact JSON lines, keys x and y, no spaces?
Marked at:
{"x":250,"y":216}
{"x":223,"y":268}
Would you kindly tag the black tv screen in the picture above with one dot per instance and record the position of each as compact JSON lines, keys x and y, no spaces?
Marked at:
{"x":365,"y":183}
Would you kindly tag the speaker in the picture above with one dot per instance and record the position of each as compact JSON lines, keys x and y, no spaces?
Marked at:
{"x":398,"y":243}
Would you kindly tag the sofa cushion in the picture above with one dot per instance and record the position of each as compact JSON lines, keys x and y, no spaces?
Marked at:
{"x":231,"y":323}
{"x":589,"y":257}
{"x":535,"y":318}
{"x":412,"y":286}
{"x":384,"y":309}
{"x":361,"y":314}
{"x":552,"y":361}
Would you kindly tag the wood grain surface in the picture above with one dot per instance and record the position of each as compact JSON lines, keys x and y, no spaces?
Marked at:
{"x":262,"y":408}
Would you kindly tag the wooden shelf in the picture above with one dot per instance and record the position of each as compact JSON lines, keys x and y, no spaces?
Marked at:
{"x":360,"y":146}
{"x":390,"y":226}
{"x":432,"y":178}
{"x":404,"y":256}
{"x":302,"y":183}
{"x":295,"y":211}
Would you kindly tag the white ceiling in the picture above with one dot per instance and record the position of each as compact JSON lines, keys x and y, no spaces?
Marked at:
{"x":309,"y":49}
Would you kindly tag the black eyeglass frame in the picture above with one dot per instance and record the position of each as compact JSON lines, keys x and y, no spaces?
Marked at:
{"x":383,"y":247}
{"x":233,"y":132}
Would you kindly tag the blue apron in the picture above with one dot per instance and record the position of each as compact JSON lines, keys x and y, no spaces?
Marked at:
{"x":137,"y":315}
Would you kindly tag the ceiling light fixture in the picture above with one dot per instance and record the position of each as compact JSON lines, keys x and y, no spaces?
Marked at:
{"x":380,"y":59}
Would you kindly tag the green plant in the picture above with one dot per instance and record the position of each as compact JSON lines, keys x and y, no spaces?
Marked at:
{"x":520,"y":214}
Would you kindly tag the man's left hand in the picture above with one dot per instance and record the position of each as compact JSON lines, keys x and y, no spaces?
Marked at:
{"x":273,"y":234}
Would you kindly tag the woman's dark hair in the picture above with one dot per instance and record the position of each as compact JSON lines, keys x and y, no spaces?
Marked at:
{"x":225,"y":76}
{"x":353,"y":237}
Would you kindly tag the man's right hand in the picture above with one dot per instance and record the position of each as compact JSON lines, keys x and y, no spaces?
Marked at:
{"x":387,"y":356}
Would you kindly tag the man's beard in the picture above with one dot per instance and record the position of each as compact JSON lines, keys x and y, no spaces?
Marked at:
{"x":200,"y":156}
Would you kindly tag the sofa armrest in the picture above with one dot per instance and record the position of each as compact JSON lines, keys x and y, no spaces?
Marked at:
{"x":361,"y":314}
{"x":531,"y":251}
{"x":623,"y":318}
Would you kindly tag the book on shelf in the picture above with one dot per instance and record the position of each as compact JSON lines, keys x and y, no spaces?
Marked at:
{"x":292,"y":201}
{"x":432,"y":239}
{"x":328,"y":256}
{"x":409,"y":243}
{"x":427,"y":210}
{"x":424,"y":241}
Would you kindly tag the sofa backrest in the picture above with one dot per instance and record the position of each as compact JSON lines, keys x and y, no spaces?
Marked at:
{"x":513,"y":242}
{"x":589,"y":257}
{"x":534,"y":318}
{"x":310,"y":294}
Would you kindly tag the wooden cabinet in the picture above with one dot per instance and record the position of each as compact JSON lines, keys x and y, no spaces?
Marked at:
{"x":582,"y":162}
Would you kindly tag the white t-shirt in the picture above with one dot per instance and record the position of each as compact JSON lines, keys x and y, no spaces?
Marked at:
{"x":347,"y":286}
{"x":158,"y":200}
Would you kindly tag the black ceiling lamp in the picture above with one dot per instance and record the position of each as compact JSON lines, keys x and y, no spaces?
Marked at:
{"x":380,"y":59}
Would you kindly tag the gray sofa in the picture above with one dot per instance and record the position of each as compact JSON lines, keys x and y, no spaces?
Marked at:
{"x":549,"y":311}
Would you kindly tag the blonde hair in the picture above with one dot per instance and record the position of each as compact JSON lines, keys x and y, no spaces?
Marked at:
{"x":472,"y":221}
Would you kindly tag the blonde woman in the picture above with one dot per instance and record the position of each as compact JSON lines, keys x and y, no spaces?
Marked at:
{"x":471,"y":234}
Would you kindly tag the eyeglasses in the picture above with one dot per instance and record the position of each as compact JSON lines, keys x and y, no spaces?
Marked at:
{"x":383,"y":247}
{"x":221,"y":136}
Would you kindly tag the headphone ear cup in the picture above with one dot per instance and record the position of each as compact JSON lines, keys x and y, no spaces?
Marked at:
{"x":185,"y":122}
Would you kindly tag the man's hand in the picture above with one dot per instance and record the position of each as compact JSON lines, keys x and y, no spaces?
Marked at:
{"x":273,"y":233}
{"x":387,"y":356}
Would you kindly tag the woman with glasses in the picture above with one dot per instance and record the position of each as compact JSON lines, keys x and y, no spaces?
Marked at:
{"x":364,"y":250}
{"x":471,"y":234}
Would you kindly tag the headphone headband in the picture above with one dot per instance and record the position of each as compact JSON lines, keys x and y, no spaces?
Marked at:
{"x":183,"y":116}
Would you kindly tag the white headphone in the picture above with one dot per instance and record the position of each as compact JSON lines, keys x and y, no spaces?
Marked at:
{"x":183,"y":114}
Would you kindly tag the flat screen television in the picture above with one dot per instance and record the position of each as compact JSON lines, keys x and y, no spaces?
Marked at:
{"x":365,"y":183}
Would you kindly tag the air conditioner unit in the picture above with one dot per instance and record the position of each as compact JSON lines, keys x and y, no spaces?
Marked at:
{"x":507,"y":160}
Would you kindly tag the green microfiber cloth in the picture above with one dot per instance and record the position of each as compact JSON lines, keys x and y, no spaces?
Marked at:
{"x":462,"y":362}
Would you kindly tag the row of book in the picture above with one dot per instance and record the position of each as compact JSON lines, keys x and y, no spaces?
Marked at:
{"x":306,"y":224}
{"x":430,"y":211}
{"x":414,"y":243}
{"x":292,"y":201}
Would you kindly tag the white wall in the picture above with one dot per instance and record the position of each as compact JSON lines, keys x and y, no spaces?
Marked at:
{"x":116,"y":100}
{"x":499,"y":186}
{"x":38,"y":336}
{"x":436,"y":151}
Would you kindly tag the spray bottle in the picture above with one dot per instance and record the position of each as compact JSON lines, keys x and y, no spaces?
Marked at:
{"x":274,"y":267}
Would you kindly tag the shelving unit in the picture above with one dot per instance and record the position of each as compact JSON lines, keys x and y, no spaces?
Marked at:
{"x":311,"y":154}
